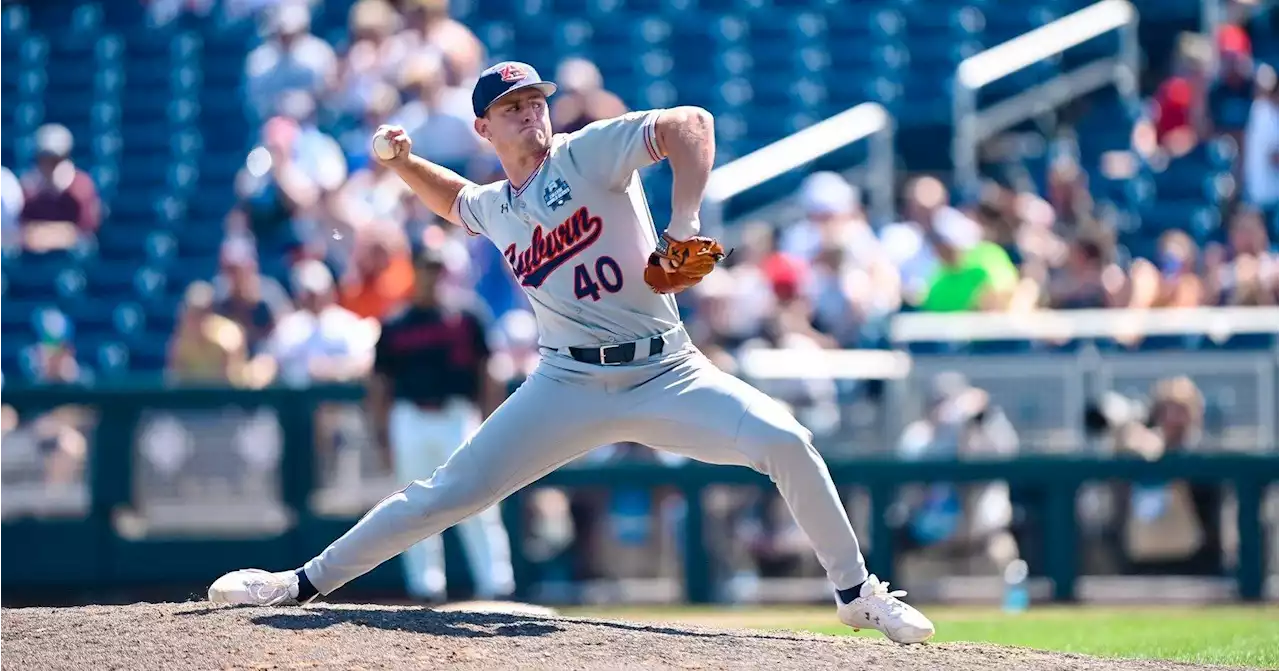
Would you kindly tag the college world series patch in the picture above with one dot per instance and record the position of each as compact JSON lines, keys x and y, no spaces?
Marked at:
{"x":556,"y":194}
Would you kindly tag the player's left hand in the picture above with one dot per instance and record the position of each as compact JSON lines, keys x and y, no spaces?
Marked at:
{"x":677,"y":265}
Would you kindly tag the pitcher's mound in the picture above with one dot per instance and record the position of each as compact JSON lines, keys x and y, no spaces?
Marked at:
{"x":176,"y":636}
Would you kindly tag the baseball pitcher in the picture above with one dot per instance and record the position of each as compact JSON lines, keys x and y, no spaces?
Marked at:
{"x":573,"y":222}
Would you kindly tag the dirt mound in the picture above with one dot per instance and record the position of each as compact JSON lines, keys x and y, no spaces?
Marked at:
{"x":176,"y":636}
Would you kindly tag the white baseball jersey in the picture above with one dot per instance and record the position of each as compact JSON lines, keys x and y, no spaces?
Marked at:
{"x":578,"y":233}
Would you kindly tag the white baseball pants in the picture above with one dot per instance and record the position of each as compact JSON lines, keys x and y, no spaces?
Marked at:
{"x":678,"y":402}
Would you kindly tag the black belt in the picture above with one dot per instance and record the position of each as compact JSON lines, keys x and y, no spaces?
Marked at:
{"x":612,"y":355}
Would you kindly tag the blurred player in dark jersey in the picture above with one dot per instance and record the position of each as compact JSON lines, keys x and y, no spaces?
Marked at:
{"x":429,"y":391}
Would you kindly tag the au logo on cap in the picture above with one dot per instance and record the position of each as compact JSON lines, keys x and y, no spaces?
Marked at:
{"x":512,"y":73}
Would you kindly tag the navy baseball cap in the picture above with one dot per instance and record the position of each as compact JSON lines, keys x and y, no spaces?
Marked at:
{"x":503,"y":78}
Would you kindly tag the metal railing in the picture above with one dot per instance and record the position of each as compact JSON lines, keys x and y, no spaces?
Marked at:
{"x":973,"y":126}
{"x":868,"y":121}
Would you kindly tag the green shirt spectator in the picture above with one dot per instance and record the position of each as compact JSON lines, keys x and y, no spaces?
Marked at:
{"x":984,"y":268}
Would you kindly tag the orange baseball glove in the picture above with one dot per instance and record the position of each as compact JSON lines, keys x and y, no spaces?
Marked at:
{"x":686,"y":263}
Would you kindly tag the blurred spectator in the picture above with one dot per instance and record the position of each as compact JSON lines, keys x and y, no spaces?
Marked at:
{"x":60,"y":201}
{"x":1170,"y":528}
{"x":732,"y":308}
{"x":380,"y":103}
{"x":1019,"y":221}
{"x":1088,"y":277}
{"x":1068,"y":192}
{"x":291,"y":59}
{"x":852,"y":301}
{"x":50,"y":449}
{"x":581,"y":98}
{"x":372,"y":56}
{"x":11,"y":203}
{"x":284,"y":181}
{"x":242,"y":294}
{"x":1178,"y":115}
{"x":932,"y":228}
{"x":52,"y":358}
{"x":833,"y":217}
{"x":380,"y":276}
{"x":1261,"y":150}
{"x":1246,"y":271}
{"x":321,"y":341}
{"x":947,"y":258}
{"x":1232,"y":91}
{"x":318,"y":152}
{"x":374,"y":194}
{"x":1173,"y":279}
{"x":206,"y":347}
{"x":438,"y":117}
{"x":430,"y":27}
{"x":982,"y":278}
{"x":942,"y":521}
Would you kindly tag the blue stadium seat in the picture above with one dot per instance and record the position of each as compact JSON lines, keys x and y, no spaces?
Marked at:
{"x":149,"y":354}
{"x":112,"y":278}
{"x":200,"y":242}
{"x":110,"y":359}
{"x":16,"y":317}
{"x":90,"y":316}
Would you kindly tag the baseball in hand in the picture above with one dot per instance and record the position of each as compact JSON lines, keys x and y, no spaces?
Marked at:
{"x":382,"y":147}
{"x":390,"y":142}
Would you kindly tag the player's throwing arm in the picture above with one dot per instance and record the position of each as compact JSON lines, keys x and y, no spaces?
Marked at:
{"x":436,"y":186}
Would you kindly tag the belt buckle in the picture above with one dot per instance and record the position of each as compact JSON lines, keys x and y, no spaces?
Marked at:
{"x":602,"y":356}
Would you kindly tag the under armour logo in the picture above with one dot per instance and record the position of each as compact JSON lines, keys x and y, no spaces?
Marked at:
{"x":505,"y":208}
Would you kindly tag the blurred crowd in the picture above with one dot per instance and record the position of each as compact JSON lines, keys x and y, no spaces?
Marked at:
{"x":832,"y":278}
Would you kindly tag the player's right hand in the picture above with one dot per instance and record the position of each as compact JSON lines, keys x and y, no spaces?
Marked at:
{"x":399,"y":140}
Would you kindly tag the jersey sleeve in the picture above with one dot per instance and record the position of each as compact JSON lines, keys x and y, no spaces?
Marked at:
{"x":472,"y":201}
{"x":612,"y":149}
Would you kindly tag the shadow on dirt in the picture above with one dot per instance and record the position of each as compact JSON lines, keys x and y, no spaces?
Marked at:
{"x":461,"y":624}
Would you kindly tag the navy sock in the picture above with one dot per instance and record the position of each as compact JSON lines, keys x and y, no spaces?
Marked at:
{"x":305,"y":589}
{"x":847,"y":595}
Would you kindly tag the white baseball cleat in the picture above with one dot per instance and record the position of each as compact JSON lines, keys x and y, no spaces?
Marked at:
{"x":255,"y":587}
{"x":878,"y":608}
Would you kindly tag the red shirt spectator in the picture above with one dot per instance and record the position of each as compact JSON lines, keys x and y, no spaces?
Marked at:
{"x":1178,"y":112}
{"x":1173,"y":103}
